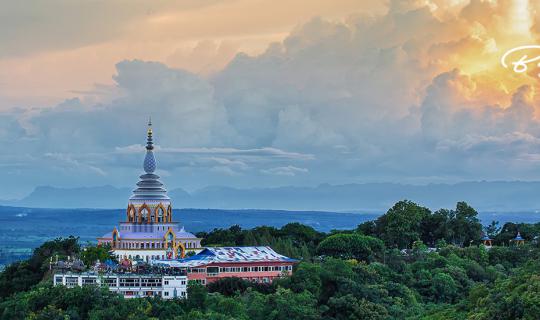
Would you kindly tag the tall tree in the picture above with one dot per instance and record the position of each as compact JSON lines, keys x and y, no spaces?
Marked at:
{"x":465,"y":225}
{"x":401,"y":225}
{"x":351,"y":246}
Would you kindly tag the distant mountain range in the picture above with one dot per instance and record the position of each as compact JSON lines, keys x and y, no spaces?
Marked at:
{"x":497,"y":196}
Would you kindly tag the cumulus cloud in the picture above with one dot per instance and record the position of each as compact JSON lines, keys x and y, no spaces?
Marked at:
{"x":416,"y":94}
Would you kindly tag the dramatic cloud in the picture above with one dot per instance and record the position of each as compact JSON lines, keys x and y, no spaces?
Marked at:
{"x":414,"y":95}
{"x":54,"y":48}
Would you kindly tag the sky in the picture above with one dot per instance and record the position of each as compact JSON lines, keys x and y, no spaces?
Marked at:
{"x":258,"y":93}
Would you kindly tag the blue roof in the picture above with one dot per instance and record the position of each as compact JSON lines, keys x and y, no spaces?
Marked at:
{"x":110,"y":263}
{"x":518,"y":237}
{"x":229,"y":254}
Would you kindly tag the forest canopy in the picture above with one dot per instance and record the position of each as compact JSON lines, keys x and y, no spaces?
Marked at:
{"x":410,"y":263}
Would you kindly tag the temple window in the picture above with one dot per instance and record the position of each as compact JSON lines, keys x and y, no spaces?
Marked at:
{"x":130,"y":212}
{"x":160,"y":213}
{"x":144,"y":213}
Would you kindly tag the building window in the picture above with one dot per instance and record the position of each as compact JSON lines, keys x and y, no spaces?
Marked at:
{"x":160,"y":214}
{"x":88,"y":281}
{"x":72,"y":281}
{"x":110,"y":282}
{"x":166,"y":293}
{"x":213,"y":270}
{"x":144,"y":214}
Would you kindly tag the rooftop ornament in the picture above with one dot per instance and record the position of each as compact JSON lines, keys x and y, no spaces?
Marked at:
{"x":519,"y":239}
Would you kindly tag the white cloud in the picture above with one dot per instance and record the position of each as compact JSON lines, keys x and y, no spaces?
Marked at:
{"x":290,"y":171}
{"x":258,"y":152}
{"x":64,"y":161}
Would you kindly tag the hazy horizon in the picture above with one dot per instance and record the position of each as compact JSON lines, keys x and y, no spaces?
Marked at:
{"x":485,"y":196}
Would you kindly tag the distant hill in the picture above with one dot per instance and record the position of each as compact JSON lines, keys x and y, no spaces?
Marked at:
{"x":84,"y":197}
{"x":485,"y":196}
{"x":498,"y":196}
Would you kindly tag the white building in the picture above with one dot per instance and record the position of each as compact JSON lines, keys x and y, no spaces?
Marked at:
{"x":128,"y":285}
{"x":149,"y":231}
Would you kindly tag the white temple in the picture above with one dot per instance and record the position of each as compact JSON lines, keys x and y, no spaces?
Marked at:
{"x":149,"y":231}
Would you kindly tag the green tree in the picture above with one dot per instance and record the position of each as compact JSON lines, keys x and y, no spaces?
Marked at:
{"x":90,"y":254}
{"x":444,"y":287}
{"x":465,"y":226}
{"x":233,"y":285}
{"x":351,"y":246}
{"x":347,"y":307}
{"x":49,"y":313}
{"x":306,"y":277}
{"x":435,"y":227}
{"x":286,"y":305}
{"x":197,"y":294}
{"x":301,"y":233}
{"x":401,"y":225}
{"x":21,"y":276}
{"x":493,"y":229}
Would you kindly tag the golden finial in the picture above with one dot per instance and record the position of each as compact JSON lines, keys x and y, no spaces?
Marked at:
{"x":149,"y":144}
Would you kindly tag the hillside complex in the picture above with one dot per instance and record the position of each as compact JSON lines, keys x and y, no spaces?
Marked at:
{"x":151,"y":250}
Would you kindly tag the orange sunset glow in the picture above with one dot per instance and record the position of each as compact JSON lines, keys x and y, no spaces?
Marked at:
{"x":204,"y":36}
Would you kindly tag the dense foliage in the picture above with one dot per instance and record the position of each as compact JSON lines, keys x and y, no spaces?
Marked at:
{"x":20,"y":276}
{"x":353,"y":274}
{"x":293,"y":240}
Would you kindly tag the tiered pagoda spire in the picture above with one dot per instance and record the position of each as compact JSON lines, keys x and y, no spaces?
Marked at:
{"x":149,"y":187}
